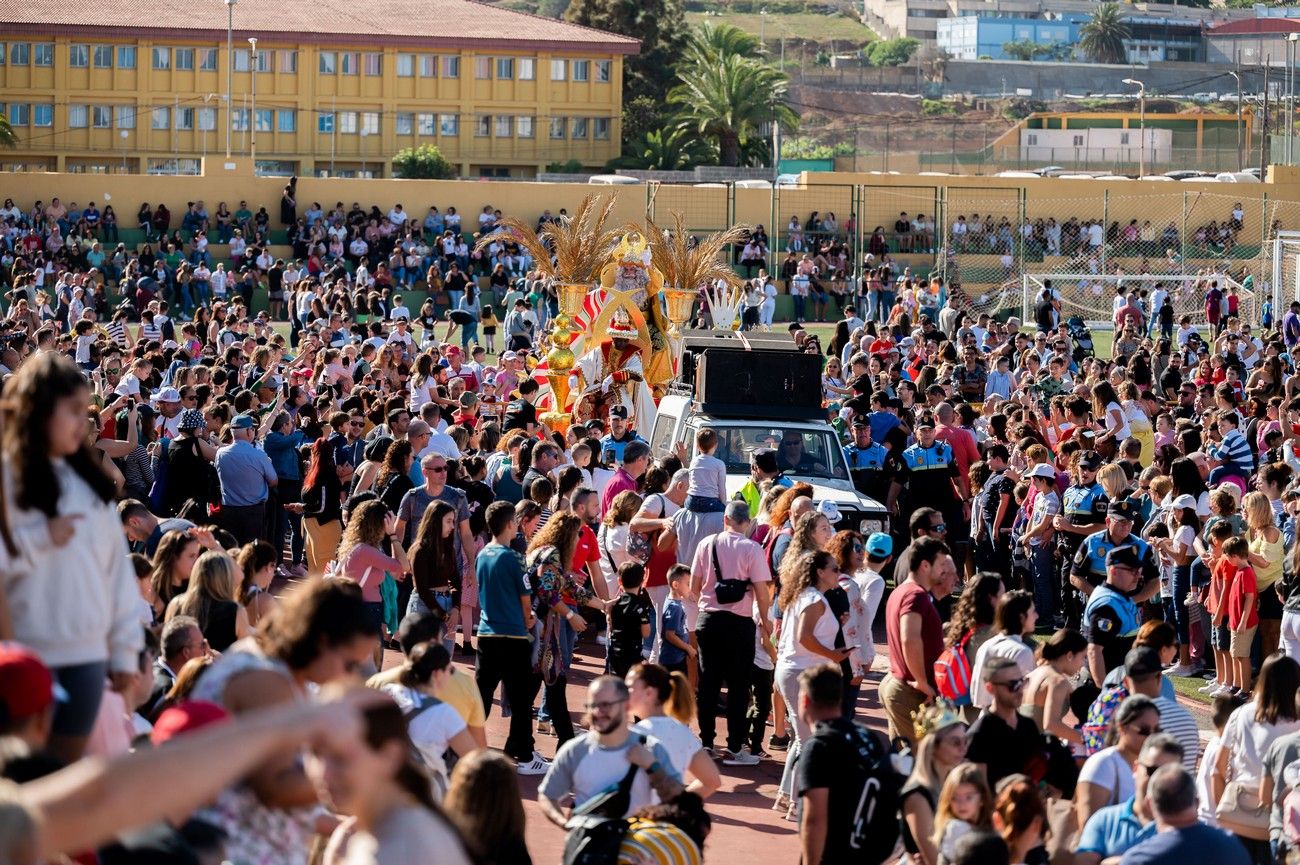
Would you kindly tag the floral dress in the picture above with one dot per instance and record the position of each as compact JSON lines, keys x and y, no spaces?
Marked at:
{"x":552,"y":584}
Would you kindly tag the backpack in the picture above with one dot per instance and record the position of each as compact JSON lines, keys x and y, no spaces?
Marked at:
{"x":425,"y":702}
{"x":952,"y":672}
{"x":598,"y":826}
{"x":876,"y":826}
{"x":1097,"y":724}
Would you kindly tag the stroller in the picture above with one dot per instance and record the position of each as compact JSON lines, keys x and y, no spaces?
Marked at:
{"x":1081,"y":336}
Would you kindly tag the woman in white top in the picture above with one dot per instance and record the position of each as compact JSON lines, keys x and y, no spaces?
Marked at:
{"x":1107,"y":776}
{"x":1254,"y":727}
{"x":665,"y":704}
{"x":434,"y":725}
{"x":1110,"y":414}
{"x":808,"y":630}
{"x":380,"y":785}
{"x":614,"y":535}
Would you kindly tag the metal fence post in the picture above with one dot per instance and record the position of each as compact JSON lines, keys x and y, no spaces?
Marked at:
{"x":1182,"y":234}
{"x":1105,"y":223}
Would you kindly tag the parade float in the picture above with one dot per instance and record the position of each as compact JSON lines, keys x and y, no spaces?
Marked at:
{"x":623,"y":297}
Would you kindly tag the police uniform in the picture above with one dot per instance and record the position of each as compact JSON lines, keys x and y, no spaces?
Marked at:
{"x":611,"y":449}
{"x":869,"y":468}
{"x":929,"y":475}
{"x":1081,"y":506}
{"x":1090,"y":559}
{"x":1110,"y":620}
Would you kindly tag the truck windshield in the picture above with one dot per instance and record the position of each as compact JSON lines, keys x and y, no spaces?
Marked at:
{"x":806,"y":452}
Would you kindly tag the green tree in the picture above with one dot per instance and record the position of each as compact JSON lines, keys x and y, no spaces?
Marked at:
{"x":674,"y":149}
{"x":891,"y":52}
{"x":552,"y":8}
{"x":425,"y":162}
{"x":1102,"y":38}
{"x":661,"y":27}
{"x":730,"y":101}
{"x":711,"y":42}
{"x":8,"y":138}
{"x":1025,"y":49}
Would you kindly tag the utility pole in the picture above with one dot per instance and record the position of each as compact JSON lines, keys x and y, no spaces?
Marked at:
{"x":230,"y":66}
{"x":1240,"y":157}
{"x":252,"y":120}
{"x":1263,"y":138}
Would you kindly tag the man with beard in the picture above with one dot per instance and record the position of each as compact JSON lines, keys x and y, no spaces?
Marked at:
{"x":594,"y":763}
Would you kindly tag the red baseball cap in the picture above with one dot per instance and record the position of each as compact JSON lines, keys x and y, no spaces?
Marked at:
{"x":185,"y":718}
{"x":26,"y":685}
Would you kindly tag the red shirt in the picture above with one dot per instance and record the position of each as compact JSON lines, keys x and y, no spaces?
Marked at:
{"x":964,"y":449}
{"x":584,"y":552}
{"x":1241,"y":584}
{"x":911,"y":598}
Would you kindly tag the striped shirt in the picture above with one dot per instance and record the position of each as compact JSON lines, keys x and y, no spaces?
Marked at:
{"x":1179,"y":723}
{"x":117,"y":332}
{"x":1235,"y":450}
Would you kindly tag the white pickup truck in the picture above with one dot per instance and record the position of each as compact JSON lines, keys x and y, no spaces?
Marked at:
{"x":761,"y":402}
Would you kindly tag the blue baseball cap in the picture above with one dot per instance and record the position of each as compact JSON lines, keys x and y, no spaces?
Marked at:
{"x":880,"y":545}
{"x":242,"y":421}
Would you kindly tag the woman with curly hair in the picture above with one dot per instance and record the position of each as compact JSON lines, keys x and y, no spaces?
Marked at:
{"x":394,"y":479}
{"x":972,"y":619}
{"x":74,"y":600}
{"x":550,"y":562}
{"x":322,"y":503}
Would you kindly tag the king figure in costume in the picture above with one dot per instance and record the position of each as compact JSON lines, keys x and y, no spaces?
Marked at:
{"x":613,"y":374}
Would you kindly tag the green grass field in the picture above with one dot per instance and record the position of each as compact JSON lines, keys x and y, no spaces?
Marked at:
{"x":804,"y":25}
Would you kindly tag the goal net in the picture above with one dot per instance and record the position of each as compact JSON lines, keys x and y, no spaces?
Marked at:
{"x":1091,"y":296}
{"x":1285,"y":270}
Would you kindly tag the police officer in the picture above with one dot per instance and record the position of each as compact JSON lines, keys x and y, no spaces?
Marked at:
{"x":1110,"y":618}
{"x":994,"y":513}
{"x":868,"y":461}
{"x":929,"y":472}
{"x":620,"y":434}
{"x":1088,"y":569}
{"x":1083,"y":512}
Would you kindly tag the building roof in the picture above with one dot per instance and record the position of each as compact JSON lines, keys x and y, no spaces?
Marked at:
{"x":1256,"y":27}
{"x":418,"y":23}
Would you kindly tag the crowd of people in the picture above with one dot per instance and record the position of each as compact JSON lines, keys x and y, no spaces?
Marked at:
{"x":216,"y":528}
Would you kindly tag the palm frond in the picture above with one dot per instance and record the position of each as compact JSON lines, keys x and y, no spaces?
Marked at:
{"x":689,"y":267}
{"x":581,"y":243}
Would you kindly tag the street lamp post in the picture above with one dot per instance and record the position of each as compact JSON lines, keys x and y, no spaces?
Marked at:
{"x":762,"y":30}
{"x":1240,"y":157}
{"x":252,"y":120}
{"x":365,"y":133}
{"x":1291,"y":39}
{"x":1142,"y":124}
{"x":125,"y":135}
{"x":230,"y":67}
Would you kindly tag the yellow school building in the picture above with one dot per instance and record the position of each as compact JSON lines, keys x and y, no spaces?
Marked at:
{"x":331,"y":88}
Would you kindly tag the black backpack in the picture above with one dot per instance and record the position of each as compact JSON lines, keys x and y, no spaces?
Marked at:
{"x":875,"y":830}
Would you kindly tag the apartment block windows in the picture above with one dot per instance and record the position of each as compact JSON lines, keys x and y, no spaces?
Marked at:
{"x":78,"y":56}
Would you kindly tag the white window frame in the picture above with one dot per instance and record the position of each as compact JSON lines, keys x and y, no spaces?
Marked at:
{"x":78,"y":116}
{"x":78,"y":55}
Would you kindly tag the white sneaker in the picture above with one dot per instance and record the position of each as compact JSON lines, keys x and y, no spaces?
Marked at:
{"x":1209,"y":688}
{"x":1180,"y":670}
{"x":1221,"y":691}
{"x":743,"y":757}
{"x":536,"y":766}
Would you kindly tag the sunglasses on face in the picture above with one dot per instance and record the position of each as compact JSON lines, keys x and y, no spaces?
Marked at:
{"x":436,"y":469}
{"x":1014,"y":686}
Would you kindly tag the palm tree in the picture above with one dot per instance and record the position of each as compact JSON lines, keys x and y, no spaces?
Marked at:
{"x":8,"y":138}
{"x":714,"y":42}
{"x":730,"y":101}
{"x":670,"y":149}
{"x":1102,"y":38}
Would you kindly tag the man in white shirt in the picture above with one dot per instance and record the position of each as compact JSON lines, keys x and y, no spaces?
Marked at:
{"x":399,"y":309}
{"x":397,"y":216}
{"x":1015,"y":618}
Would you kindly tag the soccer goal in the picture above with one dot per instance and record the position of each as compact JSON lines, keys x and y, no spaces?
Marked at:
{"x":1285,"y":270}
{"x":1091,"y":296}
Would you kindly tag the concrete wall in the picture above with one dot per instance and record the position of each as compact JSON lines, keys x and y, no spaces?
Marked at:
{"x":876,"y":199}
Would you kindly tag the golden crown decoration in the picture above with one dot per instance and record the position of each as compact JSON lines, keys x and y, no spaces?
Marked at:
{"x":936,"y":716}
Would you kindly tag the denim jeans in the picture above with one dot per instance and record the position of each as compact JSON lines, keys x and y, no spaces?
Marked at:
{"x":1182,"y":584}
